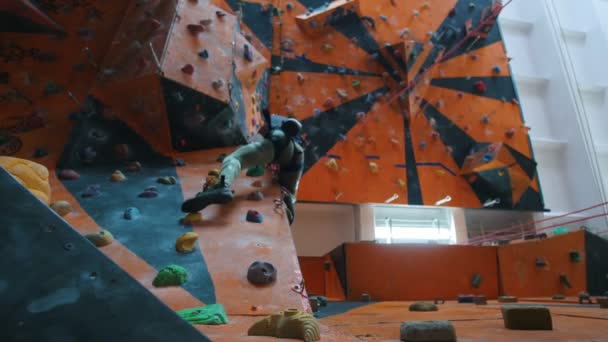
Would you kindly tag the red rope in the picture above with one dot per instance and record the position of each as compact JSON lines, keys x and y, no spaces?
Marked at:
{"x":519,"y":226}
{"x":507,"y":237}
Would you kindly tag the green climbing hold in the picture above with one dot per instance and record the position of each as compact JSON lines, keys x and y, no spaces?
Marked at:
{"x":212,"y":314}
{"x":356,"y":84}
{"x":256,"y":171}
{"x":172,"y":275}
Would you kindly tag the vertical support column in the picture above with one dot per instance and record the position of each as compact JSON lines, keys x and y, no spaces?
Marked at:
{"x":459,"y":222}
{"x":364,"y":223}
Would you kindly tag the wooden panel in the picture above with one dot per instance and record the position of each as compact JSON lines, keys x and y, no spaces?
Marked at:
{"x":313,"y":274}
{"x":521,"y":277}
{"x":419,"y":272}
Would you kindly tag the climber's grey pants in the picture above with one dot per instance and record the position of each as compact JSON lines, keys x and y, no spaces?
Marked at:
{"x":250,"y":155}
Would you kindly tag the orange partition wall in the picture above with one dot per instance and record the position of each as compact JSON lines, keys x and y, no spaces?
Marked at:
{"x":521,"y":277}
{"x":419,"y":272}
{"x":313,"y":274}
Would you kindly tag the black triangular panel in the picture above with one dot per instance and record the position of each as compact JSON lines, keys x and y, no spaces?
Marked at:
{"x":256,"y":18}
{"x":152,"y":236}
{"x":451,"y":134}
{"x":527,"y":164}
{"x":489,"y":188}
{"x":323,"y":130}
{"x":498,"y":87}
{"x":530,"y":200}
{"x":57,"y":286}
{"x":300,"y":65}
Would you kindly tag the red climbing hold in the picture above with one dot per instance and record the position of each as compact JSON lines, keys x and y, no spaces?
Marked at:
{"x":195,"y":29}
{"x":329,"y":102}
{"x":480,"y":87}
{"x":510,"y":133}
{"x":188,"y":69}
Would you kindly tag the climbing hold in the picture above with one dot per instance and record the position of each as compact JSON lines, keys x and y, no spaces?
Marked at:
{"x":476,"y":280}
{"x":540,"y":262}
{"x":62,"y":207}
{"x":329,"y":102}
{"x":465,"y":298}
{"x":558,"y":297}
{"x":210,"y":314}
{"x":416,"y":13}
{"x":131,"y":213}
{"x":52,"y":88}
{"x":439,"y":103}
{"x":527,"y":318}
{"x":496,"y":70}
{"x":427,"y":331}
{"x":507,"y":299}
{"x":220,"y":158}
{"x":188,"y":69}
{"x":179,"y":162}
{"x":91,"y":191}
{"x":172,"y":275}
{"x":168,"y":180}
{"x":480,"y":300}
{"x":68,"y":174}
{"x":460,"y":94}
{"x":342,"y":93}
{"x":356,"y":84}
{"x":117,"y":176}
{"x":342,"y":70}
{"x":247,"y":53}
{"x":191,"y":218}
{"x":332,"y":164}
{"x":134,"y":166}
{"x":485,"y":119}
{"x":471,"y":6}
{"x":300,"y":78}
{"x":365,"y":297}
{"x":101,"y":238}
{"x":510,"y":133}
{"x":186,"y":243}
{"x":220,"y":14}
{"x":327,"y":47}
{"x":206,"y":22}
{"x":316,"y":113}
{"x":584,"y":297}
{"x":422,"y":145}
{"x":289,"y":6}
{"x":575,"y":256}
{"x":195,"y":29}
{"x":374,"y":168}
{"x":261,"y":273}
{"x":401,"y":183}
{"x":439,"y":301}
{"x":480,"y":87}
{"x":254,"y":216}
{"x":40,"y":152}
{"x":256,"y":171}
{"x":291,"y":323}
{"x":149,"y":192}
{"x":430,"y":34}
{"x":435,"y":135}
{"x":426,"y":5}
{"x":404,"y":32}
{"x":203,"y":54}
{"x":255,"y":196}
{"x":360,"y":116}
{"x":487,"y":157}
{"x":383,"y":18}
{"x":423,"y":306}
{"x":217,"y":84}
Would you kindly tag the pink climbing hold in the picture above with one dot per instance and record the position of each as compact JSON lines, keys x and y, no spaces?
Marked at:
{"x":188,"y":69}
{"x":435,"y":135}
{"x":329,"y":102}
{"x":360,"y":116}
{"x":460,"y":94}
{"x":68,"y":174}
{"x":510,"y":133}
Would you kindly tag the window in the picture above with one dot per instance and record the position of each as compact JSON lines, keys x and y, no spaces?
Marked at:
{"x":399,"y":224}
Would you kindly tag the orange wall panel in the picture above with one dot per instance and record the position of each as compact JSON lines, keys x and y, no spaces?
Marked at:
{"x":313,"y":274}
{"x":521,"y":277}
{"x":419,"y":272}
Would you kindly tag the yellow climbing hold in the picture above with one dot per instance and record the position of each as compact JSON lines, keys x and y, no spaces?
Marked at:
{"x":332,"y":164}
{"x":291,"y":323}
{"x":342,"y":94}
{"x":33,"y":176}
{"x":101,"y":238}
{"x":214,"y":173}
{"x":440,"y":172}
{"x":192,"y":218}
{"x":327,"y":47}
{"x":186,"y":242}
{"x":118,"y":176}
{"x":374,"y":168}
{"x":401,"y":183}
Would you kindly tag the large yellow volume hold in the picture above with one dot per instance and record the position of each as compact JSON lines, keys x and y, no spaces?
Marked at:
{"x":33,"y":176}
{"x":291,"y":323}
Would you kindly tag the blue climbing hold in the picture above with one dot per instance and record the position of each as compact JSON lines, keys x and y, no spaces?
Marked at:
{"x":203,"y":54}
{"x":383,"y":17}
{"x":485,"y":119}
{"x":496,"y":70}
{"x":254,"y":216}
{"x":131,"y":213}
{"x":316,"y":112}
{"x":488,"y":157}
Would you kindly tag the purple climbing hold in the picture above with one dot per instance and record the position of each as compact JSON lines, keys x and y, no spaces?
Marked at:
{"x":179,"y":162}
{"x":91,"y":191}
{"x":148,"y":194}
{"x":254,"y":216}
{"x":422,"y":145}
{"x":68,"y":174}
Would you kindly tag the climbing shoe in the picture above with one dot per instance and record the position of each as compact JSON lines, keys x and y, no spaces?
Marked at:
{"x":217,"y":195}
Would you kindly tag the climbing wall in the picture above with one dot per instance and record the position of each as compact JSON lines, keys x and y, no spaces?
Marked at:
{"x":403,"y":97}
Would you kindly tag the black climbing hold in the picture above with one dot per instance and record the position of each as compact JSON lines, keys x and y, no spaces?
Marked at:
{"x":203,"y":54}
{"x":575,"y":256}
{"x":476,"y":281}
{"x":540,"y":262}
{"x":261,"y":273}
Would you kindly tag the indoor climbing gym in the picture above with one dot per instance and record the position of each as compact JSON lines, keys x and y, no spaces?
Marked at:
{"x":303,"y":170}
